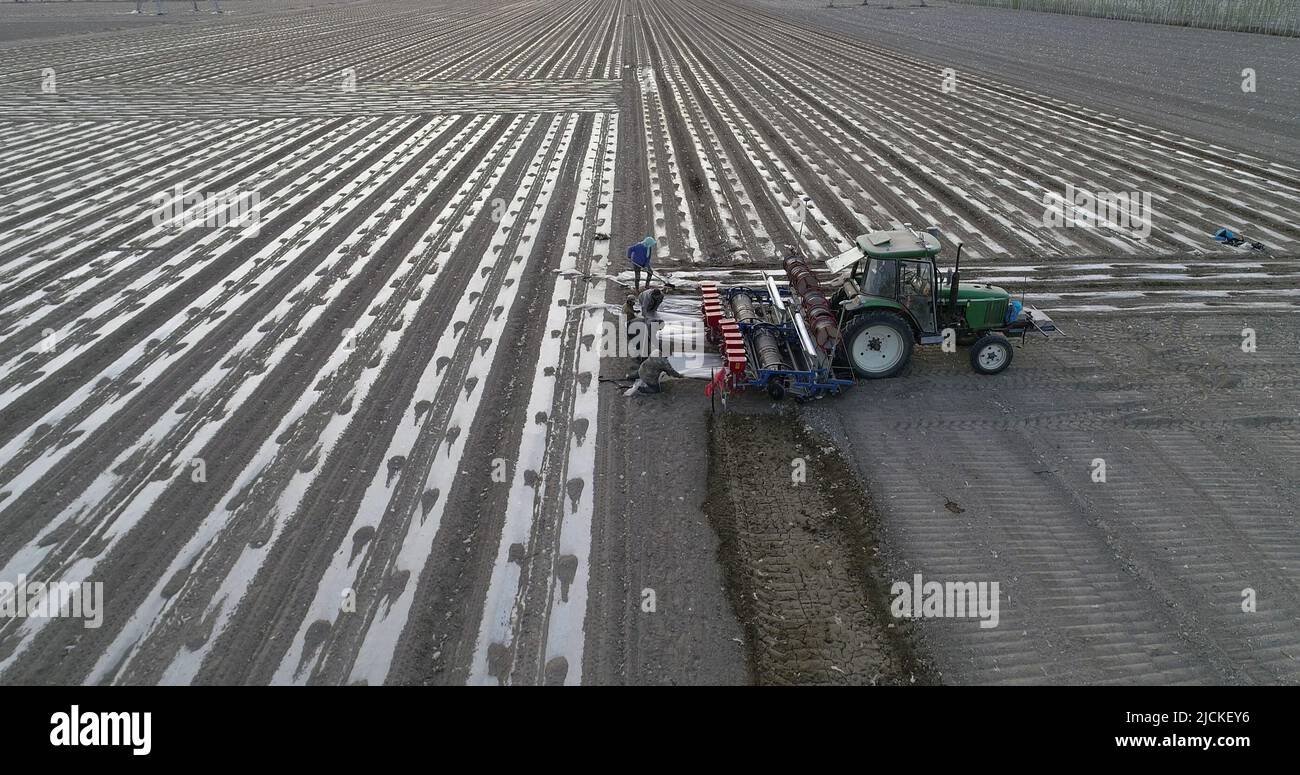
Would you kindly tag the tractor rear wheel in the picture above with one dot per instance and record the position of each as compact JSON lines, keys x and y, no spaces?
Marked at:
{"x":879,"y":344}
{"x":991,"y":354}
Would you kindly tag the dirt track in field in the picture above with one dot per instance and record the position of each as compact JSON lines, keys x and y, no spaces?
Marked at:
{"x":802,"y":557}
{"x":364,"y":440}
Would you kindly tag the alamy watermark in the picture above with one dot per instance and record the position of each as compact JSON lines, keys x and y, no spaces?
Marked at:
{"x":1076,"y":208}
{"x":53,"y":600}
{"x":639,"y":337}
{"x":183,"y":209}
{"x":79,"y":727}
{"x":922,"y":599}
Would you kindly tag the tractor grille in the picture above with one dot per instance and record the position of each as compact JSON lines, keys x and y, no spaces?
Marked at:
{"x":997,"y":312}
{"x":986,"y":313}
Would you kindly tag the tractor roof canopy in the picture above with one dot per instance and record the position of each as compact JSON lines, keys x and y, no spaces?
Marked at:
{"x":898,"y":243}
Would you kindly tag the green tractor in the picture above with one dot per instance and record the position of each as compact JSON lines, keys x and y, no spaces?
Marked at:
{"x":895,"y":298}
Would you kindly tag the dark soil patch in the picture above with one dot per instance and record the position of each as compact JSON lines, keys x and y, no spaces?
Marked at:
{"x":800,"y":558}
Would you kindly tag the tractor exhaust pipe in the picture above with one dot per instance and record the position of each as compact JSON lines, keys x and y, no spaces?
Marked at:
{"x":952,"y":290}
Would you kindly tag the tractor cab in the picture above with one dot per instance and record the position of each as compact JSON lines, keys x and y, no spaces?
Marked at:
{"x":894,"y":270}
{"x":899,"y":265}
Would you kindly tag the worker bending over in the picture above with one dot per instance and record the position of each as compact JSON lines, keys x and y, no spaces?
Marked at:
{"x":651,"y":371}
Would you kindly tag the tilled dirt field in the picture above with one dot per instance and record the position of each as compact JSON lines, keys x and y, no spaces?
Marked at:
{"x":1188,"y":81}
{"x":802,"y":558}
{"x":362,"y":439}
{"x":1130,"y":488}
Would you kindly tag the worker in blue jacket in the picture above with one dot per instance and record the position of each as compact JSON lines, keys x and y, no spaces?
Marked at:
{"x":640,"y":255}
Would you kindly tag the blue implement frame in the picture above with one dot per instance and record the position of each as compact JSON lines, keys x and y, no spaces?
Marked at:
{"x":815,"y":379}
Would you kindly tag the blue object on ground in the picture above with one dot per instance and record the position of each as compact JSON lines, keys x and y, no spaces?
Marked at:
{"x":1013,"y":311}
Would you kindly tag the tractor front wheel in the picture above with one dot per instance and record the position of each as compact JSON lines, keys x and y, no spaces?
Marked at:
{"x":991,"y":354}
{"x":879,"y":344}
